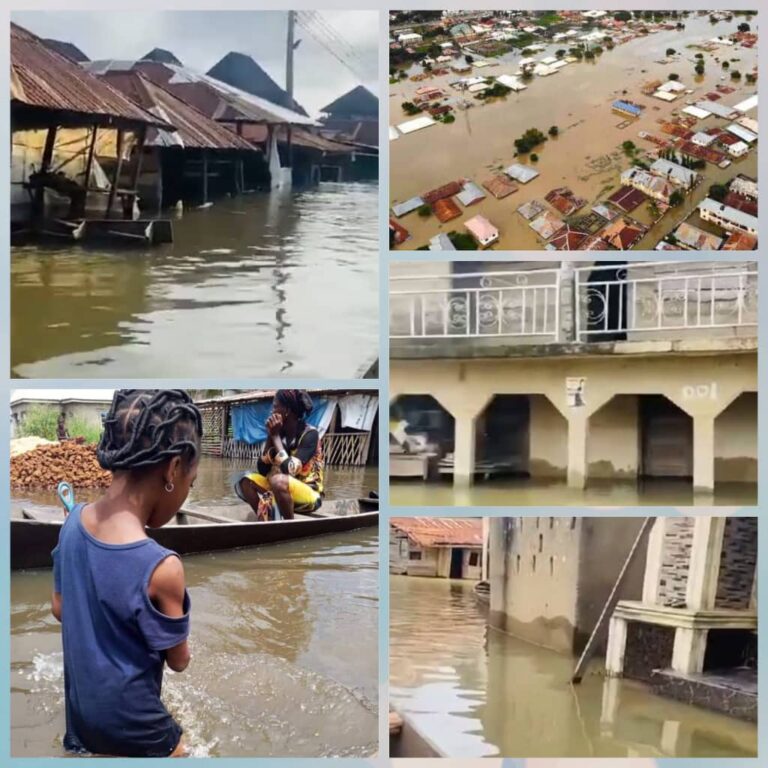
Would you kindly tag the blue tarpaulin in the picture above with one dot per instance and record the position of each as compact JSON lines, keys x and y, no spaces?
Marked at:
{"x":249,"y":420}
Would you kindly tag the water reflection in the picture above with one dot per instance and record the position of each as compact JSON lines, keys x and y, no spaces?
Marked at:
{"x":526,"y":492}
{"x":243,"y":290}
{"x":475,"y":692}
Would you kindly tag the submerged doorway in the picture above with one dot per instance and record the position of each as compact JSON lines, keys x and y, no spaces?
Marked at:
{"x":666,"y":439}
{"x":457,"y":560}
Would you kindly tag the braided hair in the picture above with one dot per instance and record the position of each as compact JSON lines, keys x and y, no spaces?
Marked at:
{"x":296,"y":400}
{"x":144,"y":427}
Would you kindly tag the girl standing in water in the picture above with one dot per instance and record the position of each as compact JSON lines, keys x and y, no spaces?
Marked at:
{"x":120,"y":596}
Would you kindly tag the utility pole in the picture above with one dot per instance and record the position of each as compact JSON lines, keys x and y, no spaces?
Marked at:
{"x":289,"y":48}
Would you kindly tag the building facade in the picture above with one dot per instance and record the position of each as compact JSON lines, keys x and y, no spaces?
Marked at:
{"x":606,"y":371}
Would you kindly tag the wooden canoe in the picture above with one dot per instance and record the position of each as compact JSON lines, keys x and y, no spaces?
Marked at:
{"x":193,"y":531}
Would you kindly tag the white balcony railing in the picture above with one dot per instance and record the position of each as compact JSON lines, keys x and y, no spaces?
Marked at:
{"x":663,"y":299}
{"x":636,"y":300}
{"x":479,"y":304}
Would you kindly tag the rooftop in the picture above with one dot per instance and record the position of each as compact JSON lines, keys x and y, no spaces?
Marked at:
{"x":440,"y":531}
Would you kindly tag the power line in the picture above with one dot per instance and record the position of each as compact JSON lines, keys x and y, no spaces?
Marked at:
{"x":332,"y":41}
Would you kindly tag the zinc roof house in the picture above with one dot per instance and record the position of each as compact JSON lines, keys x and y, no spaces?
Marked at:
{"x":697,"y":239}
{"x":676,"y":173}
{"x":521,"y":173}
{"x":436,"y":547}
{"x":726,"y":217}
{"x":482,"y":230}
{"x":649,"y":184}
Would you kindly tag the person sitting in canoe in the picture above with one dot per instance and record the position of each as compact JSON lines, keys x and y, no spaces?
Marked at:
{"x":289,"y":473}
{"x":119,"y":595}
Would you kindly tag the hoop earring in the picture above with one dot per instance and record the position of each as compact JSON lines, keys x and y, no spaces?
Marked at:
{"x":169,"y":487}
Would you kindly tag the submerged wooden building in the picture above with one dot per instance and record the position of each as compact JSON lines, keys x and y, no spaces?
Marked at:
{"x":348,"y":421}
{"x":72,"y":137}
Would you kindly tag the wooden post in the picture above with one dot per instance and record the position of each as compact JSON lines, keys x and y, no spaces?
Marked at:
{"x":116,"y":175}
{"x":45,"y":164}
{"x":205,"y":177}
{"x":139,"y":160}
{"x":241,"y":171}
{"x":89,"y":160}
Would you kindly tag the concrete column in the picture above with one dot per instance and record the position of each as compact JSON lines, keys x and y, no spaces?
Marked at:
{"x":653,"y":558}
{"x":610,"y":704}
{"x":464,"y":449}
{"x":704,"y":566}
{"x":578,"y":424}
{"x":688,"y":651}
{"x":617,"y":645}
{"x":568,"y":309}
{"x":704,"y":453}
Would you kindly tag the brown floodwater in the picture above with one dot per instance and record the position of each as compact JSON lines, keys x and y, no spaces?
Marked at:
{"x":244,"y":290}
{"x":284,"y":647}
{"x":215,"y":478}
{"x":513,"y":492}
{"x":475,"y":692}
{"x":587,"y":154}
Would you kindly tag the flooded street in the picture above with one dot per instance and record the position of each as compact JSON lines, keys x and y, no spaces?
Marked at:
{"x":477,"y":692}
{"x":525,"y":493}
{"x":275,"y":669}
{"x":243,"y":291}
{"x":587,"y":154}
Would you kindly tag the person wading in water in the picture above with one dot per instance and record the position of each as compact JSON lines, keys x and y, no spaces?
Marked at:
{"x":119,"y":595}
{"x":289,"y":474}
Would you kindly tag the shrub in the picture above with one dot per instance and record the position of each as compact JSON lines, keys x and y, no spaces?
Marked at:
{"x":718,"y":192}
{"x":424,"y":211}
{"x":42,"y":421}
{"x":553,"y":130}
{"x":530,"y":139}
{"x":735,"y":74}
{"x":462,"y":241}
{"x":671,"y":51}
{"x":676,"y":198}
{"x":674,"y":76}
{"x":534,"y":157}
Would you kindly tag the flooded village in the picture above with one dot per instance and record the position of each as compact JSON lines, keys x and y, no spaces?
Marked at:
{"x":539,"y":383}
{"x":589,"y":637}
{"x":573,"y":130}
{"x":153,"y":201}
{"x":275,"y":670}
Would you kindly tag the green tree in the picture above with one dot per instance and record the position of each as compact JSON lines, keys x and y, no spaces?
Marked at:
{"x":699,"y":68}
{"x":735,"y":74}
{"x":725,"y":65}
{"x":671,"y":51}
{"x":424,"y":211}
{"x":676,"y":198}
{"x":553,"y":130}
{"x":674,"y":76}
{"x":534,"y":157}
{"x":718,"y":192}
{"x":628,"y":147}
{"x":42,"y":421}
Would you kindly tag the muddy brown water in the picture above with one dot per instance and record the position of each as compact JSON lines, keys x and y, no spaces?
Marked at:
{"x":243,"y":291}
{"x":524,"y":493}
{"x":276,"y":669}
{"x":587,"y":154}
{"x":476,"y":692}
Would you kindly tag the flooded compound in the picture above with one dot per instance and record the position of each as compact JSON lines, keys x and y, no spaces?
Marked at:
{"x":245,"y":289}
{"x":275,"y":669}
{"x":525,"y":492}
{"x":472,"y":691}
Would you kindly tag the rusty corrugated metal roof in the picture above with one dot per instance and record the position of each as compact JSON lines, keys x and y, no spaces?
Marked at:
{"x":41,"y":77}
{"x":441,"y":531}
{"x":194,"y":130}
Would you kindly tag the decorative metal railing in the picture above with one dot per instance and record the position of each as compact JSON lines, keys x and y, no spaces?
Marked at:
{"x":656,"y":299}
{"x":632,"y":300}
{"x":479,"y":304}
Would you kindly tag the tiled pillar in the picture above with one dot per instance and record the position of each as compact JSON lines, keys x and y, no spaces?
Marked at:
{"x":617,"y":645}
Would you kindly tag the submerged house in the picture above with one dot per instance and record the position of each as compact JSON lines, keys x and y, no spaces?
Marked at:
{"x":241,"y":112}
{"x":72,"y":134}
{"x":197,"y":161}
{"x":348,"y":422}
{"x":447,"y":547}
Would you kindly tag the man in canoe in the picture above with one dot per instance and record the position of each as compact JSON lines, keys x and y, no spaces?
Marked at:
{"x":289,"y":473}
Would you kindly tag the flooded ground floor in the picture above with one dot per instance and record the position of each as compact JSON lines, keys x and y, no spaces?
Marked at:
{"x":243,"y":289}
{"x":525,"y":492}
{"x":473,"y":691}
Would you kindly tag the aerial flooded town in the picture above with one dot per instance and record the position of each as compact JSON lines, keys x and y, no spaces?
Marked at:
{"x":573,"y":130}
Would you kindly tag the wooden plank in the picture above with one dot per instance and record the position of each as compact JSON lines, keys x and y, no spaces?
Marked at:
{"x":610,"y":603}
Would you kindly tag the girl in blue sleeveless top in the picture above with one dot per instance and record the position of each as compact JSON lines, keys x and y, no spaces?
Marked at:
{"x":120,"y":596}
